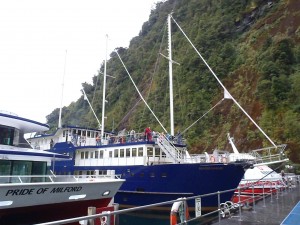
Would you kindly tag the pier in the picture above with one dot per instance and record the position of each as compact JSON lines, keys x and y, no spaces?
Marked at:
{"x":269,"y":211}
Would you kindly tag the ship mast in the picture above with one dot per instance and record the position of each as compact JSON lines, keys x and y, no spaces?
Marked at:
{"x":62,"y":93}
{"x":170,"y":77}
{"x":104,"y":87}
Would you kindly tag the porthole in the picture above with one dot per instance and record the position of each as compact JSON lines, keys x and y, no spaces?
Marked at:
{"x":106,"y":193}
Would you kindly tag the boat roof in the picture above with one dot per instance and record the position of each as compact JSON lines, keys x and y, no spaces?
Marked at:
{"x":66,"y":127}
{"x":16,"y":151}
{"x":23,"y":124}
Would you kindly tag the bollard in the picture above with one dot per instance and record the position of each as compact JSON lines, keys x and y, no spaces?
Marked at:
{"x":91,"y":211}
{"x":278,"y":189}
{"x":185,"y":210}
{"x":240,"y":205}
{"x":116,"y":207}
{"x":253,"y":199}
{"x":264,"y":194}
{"x":219,"y":209}
{"x":272,"y":192}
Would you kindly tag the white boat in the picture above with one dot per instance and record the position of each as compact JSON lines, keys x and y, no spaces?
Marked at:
{"x":28,"y":190}
{"x":260,"y":179}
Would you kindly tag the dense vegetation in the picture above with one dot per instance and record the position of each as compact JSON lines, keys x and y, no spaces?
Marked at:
{"x":253,"y":46}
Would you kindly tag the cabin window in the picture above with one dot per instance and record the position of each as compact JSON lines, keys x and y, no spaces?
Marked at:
{"x":64,"y":133}
{"x":82,"y":155}
{"x":6,"y":135}
{"x":22,"y":168}
{"x":92,"y":155}
{"x":157,"y":152}
{"x":92,"y":134}
{"x":79,"y":132}
{"x":101,"y":154}
{"x":70,"y":154}
{"x":163,"y":154}
{"x":116,"y":153}
{"x":96,"y":154}
{"x":5,"y":167}
{"x":140,"y":151}
{"x":149,"y":151}
{"x":134,"y":152}
{"x":110,"y":154}
{"x":38,"y":168}
{"x":121,"y":153}
{"x":128,"y":152}
{"x":86,"y":155}
{"x":84,"y":133}
{"x":88,"y":134}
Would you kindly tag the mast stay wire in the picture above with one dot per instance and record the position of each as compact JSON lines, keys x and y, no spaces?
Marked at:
{"x":94,"y":95}
{"x":224,"y":88}
{"x":202,"y":116}
{"x":155,"y":69}
{"x":148,"y":86}
{"x":140,"y":92}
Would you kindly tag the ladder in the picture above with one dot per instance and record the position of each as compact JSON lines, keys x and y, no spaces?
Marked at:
{"x":169,"y":149}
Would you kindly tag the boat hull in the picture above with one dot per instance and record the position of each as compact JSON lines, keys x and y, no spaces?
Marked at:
{"x":44,"y":202}
{"x":49,"y":212}
{"x":156,"y":183}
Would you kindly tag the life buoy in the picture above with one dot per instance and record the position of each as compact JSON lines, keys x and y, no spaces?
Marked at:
{"x":178,"y":209}
{"x":212,"y":158}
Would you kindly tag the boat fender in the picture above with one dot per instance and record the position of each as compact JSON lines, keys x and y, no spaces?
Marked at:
{"x":212,"y":158}
{"x":178,"y":209}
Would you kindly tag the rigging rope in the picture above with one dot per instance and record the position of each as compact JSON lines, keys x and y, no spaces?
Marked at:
{"x":140,"y":92}
{"x":202,"y":116}
{"x":155,"y":69}
{"x":94,"y":95}
{"x":225,"y":90}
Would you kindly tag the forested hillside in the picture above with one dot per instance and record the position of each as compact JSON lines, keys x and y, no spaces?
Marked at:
{"x":253,"y":46}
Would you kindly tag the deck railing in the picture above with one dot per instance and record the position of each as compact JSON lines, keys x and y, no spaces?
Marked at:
{"x":224,"y":209}
{"x":54,"y":178}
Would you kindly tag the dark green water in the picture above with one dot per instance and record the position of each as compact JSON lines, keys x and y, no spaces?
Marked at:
{"x":139,"y":218}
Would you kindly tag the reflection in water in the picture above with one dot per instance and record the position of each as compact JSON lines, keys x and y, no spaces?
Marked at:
{"x":157,"y":218}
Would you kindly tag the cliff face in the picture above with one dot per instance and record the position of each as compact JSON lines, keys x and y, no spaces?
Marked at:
{"x":253,"y":48}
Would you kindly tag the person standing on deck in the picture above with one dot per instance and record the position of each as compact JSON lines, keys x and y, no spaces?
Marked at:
{"x":148,"y":134}
{"x":132,"y":135}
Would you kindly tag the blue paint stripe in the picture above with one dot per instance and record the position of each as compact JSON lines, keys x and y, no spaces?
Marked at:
{"x":294,"y":216}
{"x":27,"y":153}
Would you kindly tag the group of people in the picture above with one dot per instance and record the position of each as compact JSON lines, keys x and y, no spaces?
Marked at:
{"x":132,"y":136}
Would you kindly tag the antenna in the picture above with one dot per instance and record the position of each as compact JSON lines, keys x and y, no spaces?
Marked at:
{"x":62,"y":91}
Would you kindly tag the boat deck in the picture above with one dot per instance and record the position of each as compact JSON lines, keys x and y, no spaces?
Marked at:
{"x":283,"y":210}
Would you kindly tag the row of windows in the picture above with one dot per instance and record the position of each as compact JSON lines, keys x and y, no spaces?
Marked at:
{"x":15,"y":167}
{"x":122,"y":153}
{"x":84,"y":133}
{"x":104,"y":172}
